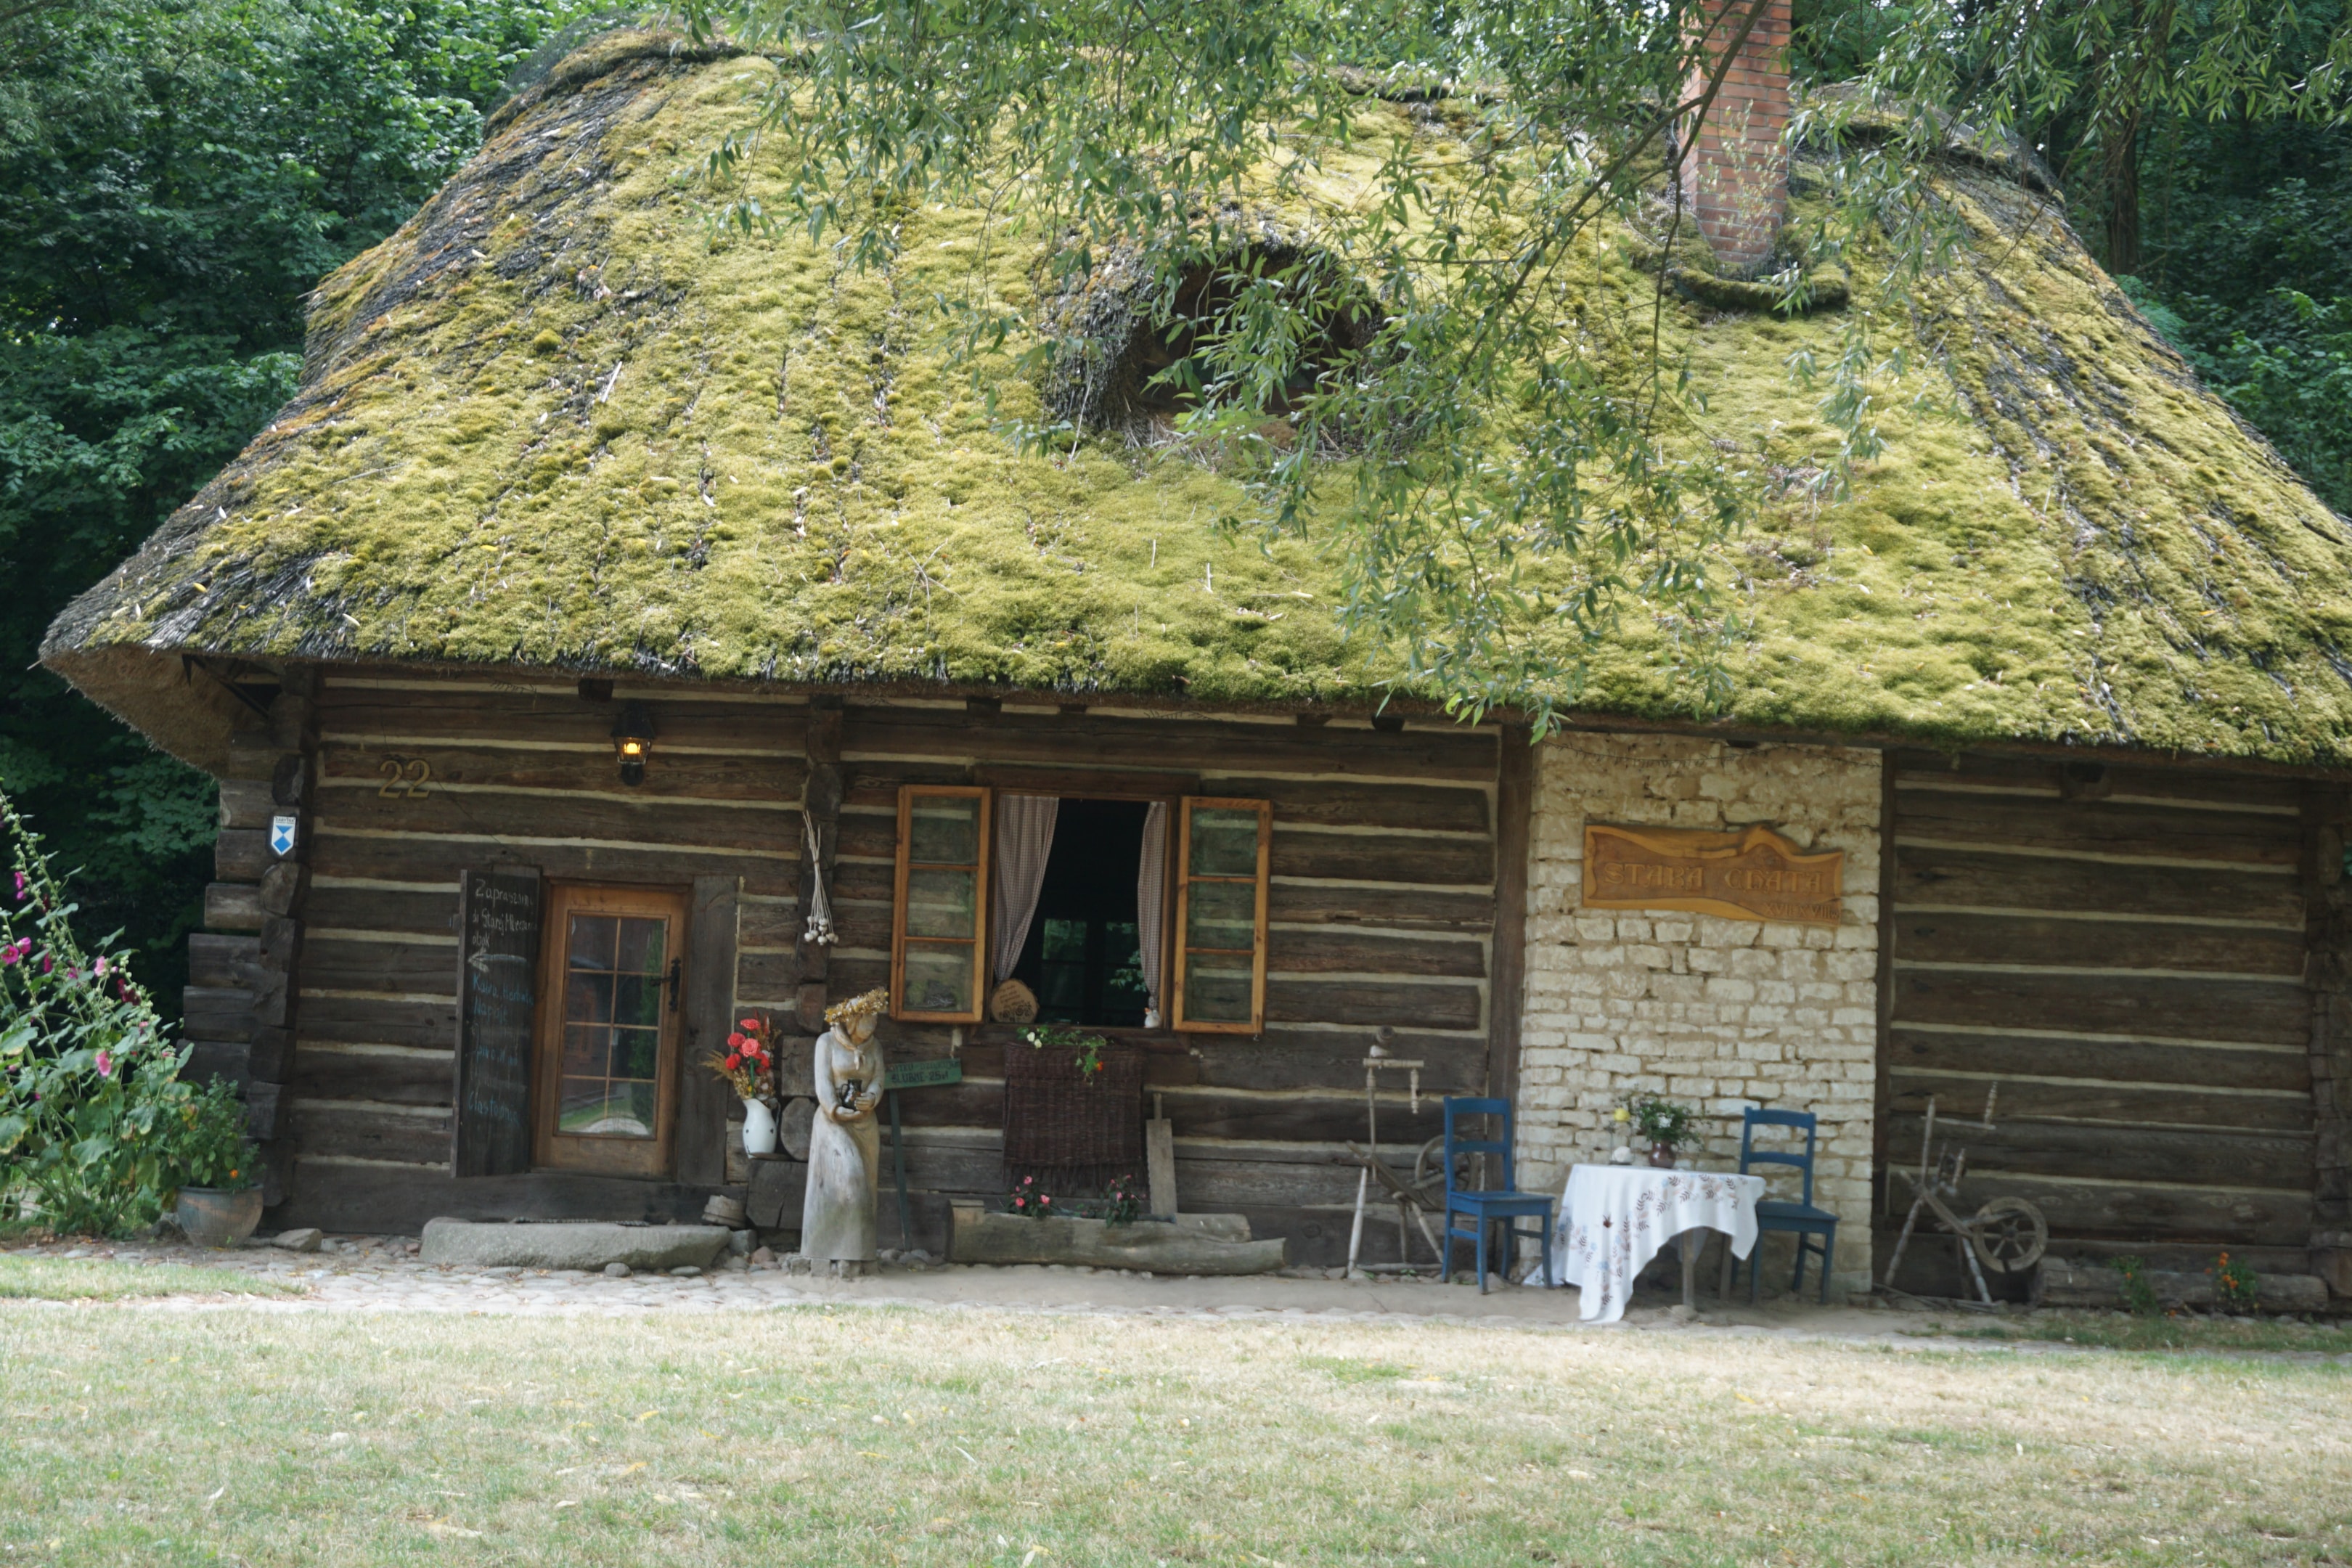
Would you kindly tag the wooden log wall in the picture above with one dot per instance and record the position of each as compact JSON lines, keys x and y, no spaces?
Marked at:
{"x":419,"y":778}
{"x":1382,"y":912}
{"x":1383,"y":903}
{"x":2124,"y":950}
{"x":239,"y":1010}
{"x":2327,"y":882}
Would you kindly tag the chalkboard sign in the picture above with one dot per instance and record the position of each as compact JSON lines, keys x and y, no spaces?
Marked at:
{"x":498,"y":985}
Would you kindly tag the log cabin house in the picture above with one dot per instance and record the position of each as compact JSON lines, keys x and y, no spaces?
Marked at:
{"x":652,"y":580}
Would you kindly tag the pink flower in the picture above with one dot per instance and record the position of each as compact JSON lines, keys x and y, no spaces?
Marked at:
{"x":105,"y":1064}
{"x":20,"y":887}
{"x":99,"y":968}
{"x":46,"y":963}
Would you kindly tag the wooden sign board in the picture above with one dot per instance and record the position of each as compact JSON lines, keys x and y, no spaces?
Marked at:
{"x":1752,"y":876}
{"x":932,"y":1074}
{"x":497,"y":984}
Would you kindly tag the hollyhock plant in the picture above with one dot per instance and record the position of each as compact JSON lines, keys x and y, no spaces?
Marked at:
{"x":91,"y":1099}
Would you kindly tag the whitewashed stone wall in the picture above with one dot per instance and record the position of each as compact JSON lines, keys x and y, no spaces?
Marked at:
{"x":1717,"y":1015}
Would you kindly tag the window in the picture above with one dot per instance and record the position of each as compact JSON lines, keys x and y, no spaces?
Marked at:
{"x":936,"y":958}
{"x":1083,"y":956}
{"x":608,"y":1046}
{"x":1220,"y":980}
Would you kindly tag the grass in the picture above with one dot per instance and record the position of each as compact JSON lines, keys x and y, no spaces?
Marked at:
{"x":2164,"y":1331}
{"x":853,"y":1437}
{"x":92,"y":1279}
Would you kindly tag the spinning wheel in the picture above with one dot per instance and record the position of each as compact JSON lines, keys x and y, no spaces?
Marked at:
{"x":2007,"y":1235}
{"x":2010,"y":1235}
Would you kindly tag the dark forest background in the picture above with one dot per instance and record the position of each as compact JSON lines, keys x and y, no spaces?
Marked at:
{"x":175,"y":174}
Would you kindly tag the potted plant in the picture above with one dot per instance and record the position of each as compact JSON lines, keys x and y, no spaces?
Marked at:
{"x":1029,"y":1199}
{"x":748,"y":1063}
{"x":1085,"y":1050}
{"x":219,"y":1200}
{"x":1666,"y":1126}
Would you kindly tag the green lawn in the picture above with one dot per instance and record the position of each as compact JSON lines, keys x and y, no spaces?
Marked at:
{"x":854,"y":1437}
{"x":95,"y":1280}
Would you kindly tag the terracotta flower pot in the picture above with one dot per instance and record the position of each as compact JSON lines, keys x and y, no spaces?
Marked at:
{"x":218,"y":1217}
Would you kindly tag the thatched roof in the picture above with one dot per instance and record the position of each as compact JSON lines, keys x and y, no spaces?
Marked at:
{"x":558,"y":422}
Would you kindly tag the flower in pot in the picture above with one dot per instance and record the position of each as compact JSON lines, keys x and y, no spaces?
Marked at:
{"x":1086,"y":1049}
{"x":1123,"y":1201}
{"x":1665,"y":1126}
{"x":219,"y":1177}
{"x":1027,"y":1198}
{"x":748,"y":1065}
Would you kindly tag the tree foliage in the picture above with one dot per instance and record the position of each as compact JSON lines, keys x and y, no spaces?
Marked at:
{"x":177,"y":173}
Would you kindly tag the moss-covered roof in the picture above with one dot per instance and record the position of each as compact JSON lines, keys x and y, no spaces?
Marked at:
{"x":559,"y":421}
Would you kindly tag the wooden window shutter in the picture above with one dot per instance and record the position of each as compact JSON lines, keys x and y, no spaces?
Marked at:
{"x":938,"y":951}
{"x":1221,"y":848}
{"x":497,"y":982}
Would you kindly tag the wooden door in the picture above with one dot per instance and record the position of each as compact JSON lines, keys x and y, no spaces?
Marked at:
{"x":614,"y":977}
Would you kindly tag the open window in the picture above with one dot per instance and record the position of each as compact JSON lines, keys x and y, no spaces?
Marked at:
{"x":1096,"y":902}
{"x":1219,"y":984}
{"x":1071,"y":897}
{"x":609,"y":1029}
{"x":939,"y":962}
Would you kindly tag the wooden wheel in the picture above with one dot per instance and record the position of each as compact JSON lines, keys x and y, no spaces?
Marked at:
{"x":2009,"y":1235}
{"x":1429,"y":1169}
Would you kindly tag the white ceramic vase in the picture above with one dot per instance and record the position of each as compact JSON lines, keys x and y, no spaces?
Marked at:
{"x":759,"y":1128}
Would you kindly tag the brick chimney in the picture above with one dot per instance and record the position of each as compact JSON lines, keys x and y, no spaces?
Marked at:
{"x":1735,"y":172}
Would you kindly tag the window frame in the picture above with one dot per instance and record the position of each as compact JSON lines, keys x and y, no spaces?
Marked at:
{"x":1181,"y":948}
{"x":552,"y":1149}
{"x":900,"y":940}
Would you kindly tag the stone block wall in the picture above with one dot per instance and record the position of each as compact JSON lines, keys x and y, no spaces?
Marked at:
{"x":1716,"y":1014}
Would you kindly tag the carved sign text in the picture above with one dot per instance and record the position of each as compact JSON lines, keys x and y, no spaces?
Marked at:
{"x":1752,"y":876}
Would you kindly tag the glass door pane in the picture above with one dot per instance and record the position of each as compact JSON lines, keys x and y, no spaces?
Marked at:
{"x":614,"y":972}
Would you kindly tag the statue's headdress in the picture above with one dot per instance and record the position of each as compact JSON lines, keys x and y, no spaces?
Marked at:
{"x":873,"y":1003}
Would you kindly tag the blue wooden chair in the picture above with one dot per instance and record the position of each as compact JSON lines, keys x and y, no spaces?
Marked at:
{"x":1482,"y":1209}
{"x":1815,"y":1228}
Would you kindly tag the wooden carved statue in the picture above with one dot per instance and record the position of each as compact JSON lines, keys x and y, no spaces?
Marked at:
{"x":837,"y":1215}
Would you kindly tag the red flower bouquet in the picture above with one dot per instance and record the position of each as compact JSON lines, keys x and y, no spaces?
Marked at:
{"x":749,"y":1062}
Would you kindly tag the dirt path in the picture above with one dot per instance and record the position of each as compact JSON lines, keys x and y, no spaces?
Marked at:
{"x":381,"y":1274}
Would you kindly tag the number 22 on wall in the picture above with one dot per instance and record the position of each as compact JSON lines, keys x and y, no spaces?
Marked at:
{"x":403,"y":778}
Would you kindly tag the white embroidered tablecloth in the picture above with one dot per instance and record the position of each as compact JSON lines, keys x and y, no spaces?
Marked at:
{"x":1613,"y":1219}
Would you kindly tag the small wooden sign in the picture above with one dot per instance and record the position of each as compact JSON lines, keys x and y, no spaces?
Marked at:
{"x":930,"y":1073}
{"x":497,"y":970}
{"x":1756,"y":875}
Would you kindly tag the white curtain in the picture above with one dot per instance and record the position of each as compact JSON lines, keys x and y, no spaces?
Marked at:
{"x":1151,"y":896}
{"x":1024,"y":839}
